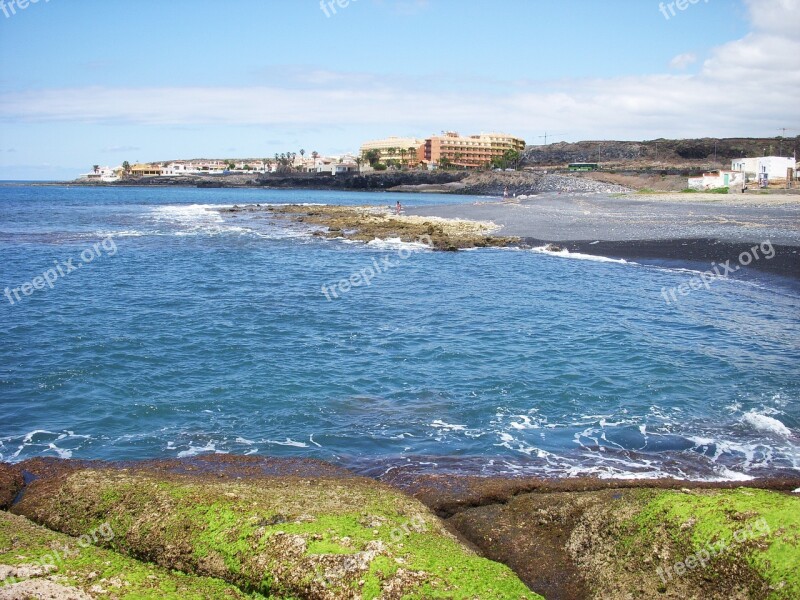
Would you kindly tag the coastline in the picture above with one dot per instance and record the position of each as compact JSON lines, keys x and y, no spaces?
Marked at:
{"x":546,"y":531}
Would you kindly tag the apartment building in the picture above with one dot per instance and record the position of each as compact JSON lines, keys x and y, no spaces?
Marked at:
{"x":403,"y":150}
{"x":472,"y":151}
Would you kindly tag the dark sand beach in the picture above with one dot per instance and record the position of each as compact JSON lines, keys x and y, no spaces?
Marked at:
{"x":697,"y":228}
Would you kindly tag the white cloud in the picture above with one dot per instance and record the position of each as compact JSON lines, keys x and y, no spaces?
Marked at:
{"x":746,"y":87}
{"x":682,"y":61}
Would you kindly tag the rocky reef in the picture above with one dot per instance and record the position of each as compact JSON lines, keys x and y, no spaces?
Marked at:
{"x":289,"y":536}
{"x":248,"y":527}
{"x":364,"y":224}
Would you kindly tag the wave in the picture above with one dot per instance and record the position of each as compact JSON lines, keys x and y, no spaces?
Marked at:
{"x":564,"y":253}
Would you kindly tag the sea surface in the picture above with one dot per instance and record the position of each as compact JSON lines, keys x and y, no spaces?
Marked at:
{"x":171,"y":330}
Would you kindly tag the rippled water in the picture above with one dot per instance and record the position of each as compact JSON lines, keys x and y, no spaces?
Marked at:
{"x":211,"y":333}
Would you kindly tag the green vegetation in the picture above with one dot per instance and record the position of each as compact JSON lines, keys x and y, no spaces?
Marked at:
{"x":28,"y":546}
{"x":284,"y":536}
{"x":721,"y":190}
{"x":724,"y":532}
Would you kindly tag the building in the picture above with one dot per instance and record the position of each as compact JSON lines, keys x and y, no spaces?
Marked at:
{"x":143,"y":170}
{"x":470,"y":152}
{"x":104,"y":174}
{"x":717,"y":179}
{"x":765,"y":167}
{"x":402,"y":150}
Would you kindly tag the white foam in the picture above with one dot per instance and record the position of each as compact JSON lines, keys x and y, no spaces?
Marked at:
{"x":439,"y":424}
{"x":288,"y":442}
{"x":61,"y":452}
{"x":195,"y":450}
{"x":767,"y":424}
{"x":397,"y":244}
{"x":579,"y":256}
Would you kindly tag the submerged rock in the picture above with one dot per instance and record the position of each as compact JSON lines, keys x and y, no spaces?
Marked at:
{"x":288,"y":536}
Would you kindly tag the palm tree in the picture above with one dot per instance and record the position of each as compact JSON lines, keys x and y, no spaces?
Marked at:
{"x":96,"y":168}
{"x":412,"y":151}
{"x":402,"y":157}
{"x":126,"y":167}
{"x":359,"y":162}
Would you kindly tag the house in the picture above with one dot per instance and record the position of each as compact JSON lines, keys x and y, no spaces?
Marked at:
{"x":765,"y":167}
{"x":717,"y":179}
{"x":144,"y":170}
{"x":104,"y":174}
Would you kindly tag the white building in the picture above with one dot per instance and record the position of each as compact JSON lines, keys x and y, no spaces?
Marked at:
{"x":717,"y":179}
{"x":104,"y":174}
{"x":774,"y":167}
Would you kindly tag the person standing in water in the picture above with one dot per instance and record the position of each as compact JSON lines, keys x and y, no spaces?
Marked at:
{"x":398,"y":208}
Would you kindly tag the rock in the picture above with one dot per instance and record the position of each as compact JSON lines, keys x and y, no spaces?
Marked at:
{"x":10,"y":484}
{"x":37,"y":563}
{"x":289,"y":536}
{"x":610,"y":544}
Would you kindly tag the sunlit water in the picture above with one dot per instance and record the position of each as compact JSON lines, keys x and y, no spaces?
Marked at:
{"x":192,"y":332}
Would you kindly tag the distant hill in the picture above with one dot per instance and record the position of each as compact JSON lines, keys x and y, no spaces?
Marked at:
{"x":689,"y":153}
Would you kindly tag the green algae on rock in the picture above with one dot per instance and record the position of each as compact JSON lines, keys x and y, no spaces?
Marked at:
{"x":38,"y":563}
{"x":644,"y":543}
{"x":293,"y":537}
{"x":367,"y":223}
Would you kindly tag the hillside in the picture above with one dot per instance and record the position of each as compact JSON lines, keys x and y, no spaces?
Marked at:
{"x":689,"y":154}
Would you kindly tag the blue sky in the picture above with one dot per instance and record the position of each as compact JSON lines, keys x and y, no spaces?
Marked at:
{"x":91,"y":81}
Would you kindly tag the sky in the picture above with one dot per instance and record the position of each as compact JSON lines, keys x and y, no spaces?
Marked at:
{"x":86,"y":82}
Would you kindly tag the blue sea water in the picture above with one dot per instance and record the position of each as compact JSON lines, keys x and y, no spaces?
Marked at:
{"x":188,"y":331}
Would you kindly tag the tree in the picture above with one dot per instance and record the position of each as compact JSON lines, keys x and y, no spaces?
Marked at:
{"x":315,"y":155}
{"x":412,"y":152}
{"x":126,"y":167}
{"x":359,"y":162}
{"x":302,"y":153}
{"x":445,"y":163}
{"x":373,"y":157}
{"x":403,"y":153}
{"x":96,"y":168}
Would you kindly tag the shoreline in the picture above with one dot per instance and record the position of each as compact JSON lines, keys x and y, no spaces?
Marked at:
{"x":545,"y":532}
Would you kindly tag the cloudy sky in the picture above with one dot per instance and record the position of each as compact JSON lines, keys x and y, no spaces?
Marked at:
{"x":102,"y":81}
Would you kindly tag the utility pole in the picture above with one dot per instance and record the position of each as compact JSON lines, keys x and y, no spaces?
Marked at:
{"x":546,"y":135}
{"x":783,"y":130}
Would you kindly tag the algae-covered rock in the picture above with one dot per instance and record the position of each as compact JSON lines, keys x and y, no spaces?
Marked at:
{"x":289,"y":537}
{"x":38,"y":563}
{"x":10,"y":484}
{"x":645,"y":543}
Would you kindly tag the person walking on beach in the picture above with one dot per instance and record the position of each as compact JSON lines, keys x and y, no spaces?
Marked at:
{"x":398,"y":208}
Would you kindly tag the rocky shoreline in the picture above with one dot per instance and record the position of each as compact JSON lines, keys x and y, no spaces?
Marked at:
{"x":249,"y":527}
{"x":476,"y":183}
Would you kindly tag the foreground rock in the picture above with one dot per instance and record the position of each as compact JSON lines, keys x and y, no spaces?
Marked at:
{"x":38,"y":563}
{"x":10,"y":484}
{"x":618,"y":544}
{"x":284,"y":537}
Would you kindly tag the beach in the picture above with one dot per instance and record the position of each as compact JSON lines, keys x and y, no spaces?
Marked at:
{"x":698,"y":228}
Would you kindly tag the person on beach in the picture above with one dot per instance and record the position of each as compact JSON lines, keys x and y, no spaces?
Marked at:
{"x":505,"y":193}
{"x":399,"y":207}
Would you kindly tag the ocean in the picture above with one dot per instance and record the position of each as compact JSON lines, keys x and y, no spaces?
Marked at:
{"x":145,"y":324}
